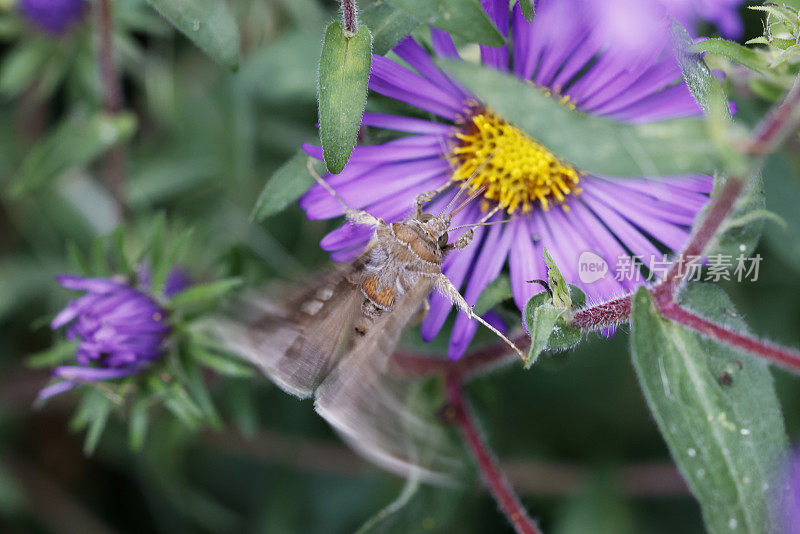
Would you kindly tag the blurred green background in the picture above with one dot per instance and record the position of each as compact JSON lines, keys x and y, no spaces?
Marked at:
{"x":574,"y":434}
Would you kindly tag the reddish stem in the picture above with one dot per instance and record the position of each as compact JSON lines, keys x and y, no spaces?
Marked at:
{"x":721,"y":207}
{"x":781,"y":121}
{"x":788,"y":358}
{"x":609,"y":313}
{"x":493,"y":476}
{"x":112,"y":99}
{"x":350,"y":16}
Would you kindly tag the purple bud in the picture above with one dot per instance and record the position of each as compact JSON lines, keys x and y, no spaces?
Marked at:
{"x":119,"y":330}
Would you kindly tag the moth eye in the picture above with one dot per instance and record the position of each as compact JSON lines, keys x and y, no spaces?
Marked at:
{"x":443,"y":240}
{"x":425,"y":217}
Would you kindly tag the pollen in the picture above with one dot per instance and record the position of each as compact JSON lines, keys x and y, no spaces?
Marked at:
{"x":517,"y":172}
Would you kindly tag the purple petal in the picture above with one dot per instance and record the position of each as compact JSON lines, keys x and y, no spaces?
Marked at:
{"x":93,"y":285}
{"x":403,"y":124}
{"x":94,"y":374}
{"x":54,"y":389}
{"x":395,"y":81}
{"x":443,"y":44}
{"x":496,"y":56}
{"x":409,"y":50}
{"x":525,"y":262}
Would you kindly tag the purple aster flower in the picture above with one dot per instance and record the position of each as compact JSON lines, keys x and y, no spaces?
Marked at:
{"x":53,"y":16}
{"x":550,"y":203}
{"x":119,"y":330}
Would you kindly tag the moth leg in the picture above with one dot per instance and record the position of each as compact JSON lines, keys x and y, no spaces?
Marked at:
{"x":361,"y":217}
{"x":446,"y":287}
{"x":462,"y":242}
{"x":424,"y":198}
{"x":420,"y":315}
{"x":353,"y":215}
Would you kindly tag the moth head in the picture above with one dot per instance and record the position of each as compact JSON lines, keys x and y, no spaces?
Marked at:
{"x":436,"y":227}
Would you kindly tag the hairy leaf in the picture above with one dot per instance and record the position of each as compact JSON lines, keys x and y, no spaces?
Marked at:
{"x":716,"y":408}
{"x":288,"y":184}
{"x":387,"y":23}
{"x":748,"y":57}
{"x":464,"y":18}
{"x":343,"y":76}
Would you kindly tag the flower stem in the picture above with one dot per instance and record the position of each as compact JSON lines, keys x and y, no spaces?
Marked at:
{"x":494,"y":477}
{"x":785,"y":357}
{"x":610,"y":313}
{"x":350,"y":17}
{"x":112,"y":100}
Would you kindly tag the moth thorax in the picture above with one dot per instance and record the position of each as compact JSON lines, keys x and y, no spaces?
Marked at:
{"x":418,"y":241}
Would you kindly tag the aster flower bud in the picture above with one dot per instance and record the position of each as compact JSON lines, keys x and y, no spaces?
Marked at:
{"x":53,"y":16}
{"x":119,"y":329}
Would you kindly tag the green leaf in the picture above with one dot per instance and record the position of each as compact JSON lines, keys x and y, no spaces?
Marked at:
{"x":716,"y":408}
{"x":496,"y":292}
{"x":137,"y":423}
{"x":540,"y":321}
{"x":527,"y":8}
{"x":463,"y":18}
{"x":77,"y":258}
{"x":562,"y":336}
{"x":99,"y":411}
{"x":591,"y":143}
{"x":204,"y":294}
{"x":784,"y":15}
{"x":199,"y":391}
{"x":76,"y":141}
{"x":207,"y":23}
{"x":57,"y":354}
{"x":557,"y":283}
{"x":786,"y":55}
{"x":122,"y":264}
{"x":387,"y":23}
{"x":288,"y":184}
{"x":22,"y":65}
{"x":221,"y":364}
{"x":752,"y":59}
{"x":342,"y":88}
{"x":156,"y":251}
{"x":698,"y":77}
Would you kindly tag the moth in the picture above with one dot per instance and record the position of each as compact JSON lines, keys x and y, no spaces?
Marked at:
{"x":333,"y":338}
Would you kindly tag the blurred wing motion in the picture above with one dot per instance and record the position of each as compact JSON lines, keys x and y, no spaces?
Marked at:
{"x":308,"y":344}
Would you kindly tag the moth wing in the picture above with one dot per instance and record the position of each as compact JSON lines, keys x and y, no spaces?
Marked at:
{"x":368,"y":405}
{"x":297,"y":340}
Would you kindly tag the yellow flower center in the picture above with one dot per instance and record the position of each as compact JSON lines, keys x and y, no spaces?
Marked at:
{"x":516,"y":170}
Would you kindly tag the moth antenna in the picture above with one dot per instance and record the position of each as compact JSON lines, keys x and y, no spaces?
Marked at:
{"x":504,"y":221}
{"x":325,"y":185}
{"x":465,"y":184}
{"x":490,"y":214}
{"x":475,"y":194}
